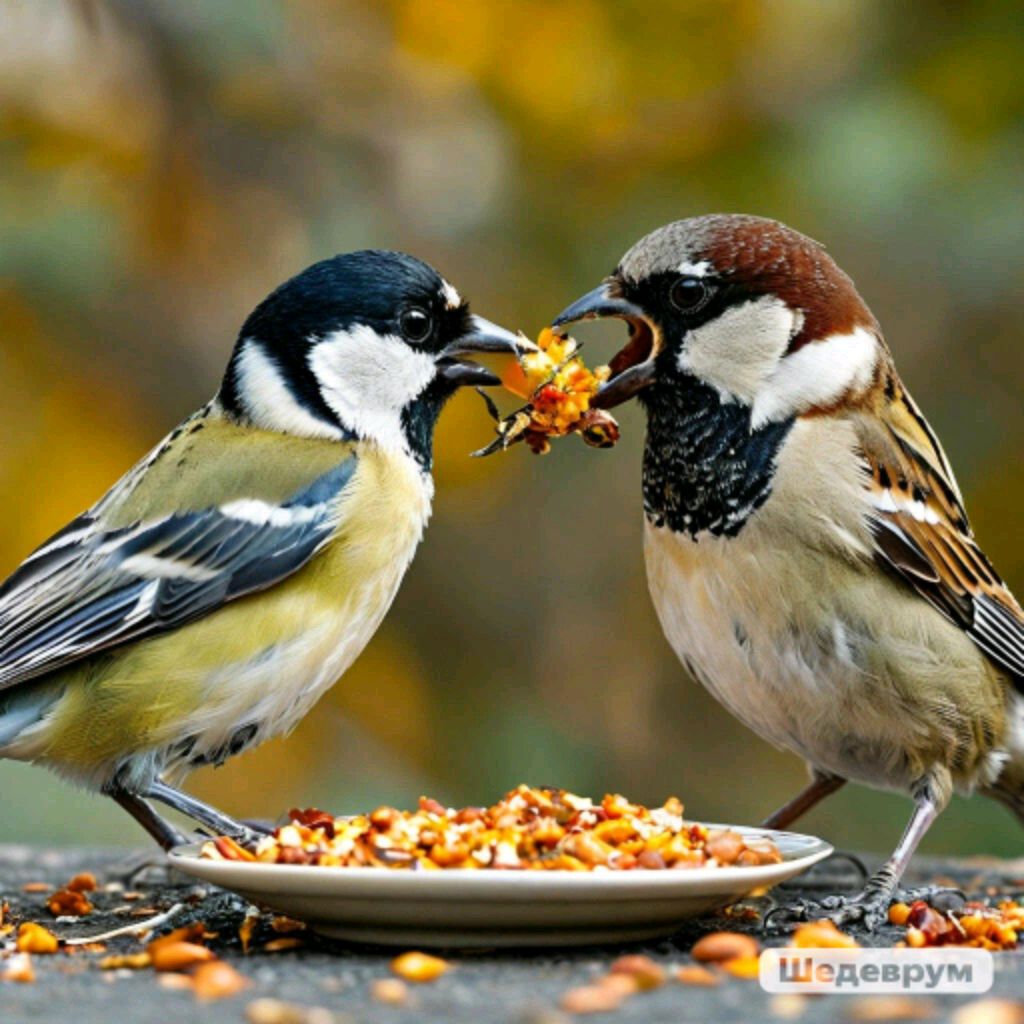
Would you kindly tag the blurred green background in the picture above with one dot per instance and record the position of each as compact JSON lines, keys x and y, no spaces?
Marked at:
{"x":165,"y":163}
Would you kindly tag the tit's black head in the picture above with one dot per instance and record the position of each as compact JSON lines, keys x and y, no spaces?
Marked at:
{"x":391,"y":292}
{"x":362,"y":345}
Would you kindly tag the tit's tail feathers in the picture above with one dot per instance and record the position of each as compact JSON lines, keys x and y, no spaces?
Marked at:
{"x":19,"y":713}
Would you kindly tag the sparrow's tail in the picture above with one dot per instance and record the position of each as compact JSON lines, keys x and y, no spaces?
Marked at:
{"x":1008,"y":789}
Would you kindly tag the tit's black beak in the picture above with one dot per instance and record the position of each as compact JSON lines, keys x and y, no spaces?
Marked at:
{"x":483,"y":337}
{"x":633,"y":366}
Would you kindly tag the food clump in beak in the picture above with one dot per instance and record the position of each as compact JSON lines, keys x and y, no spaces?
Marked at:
{"x":558,"y":388}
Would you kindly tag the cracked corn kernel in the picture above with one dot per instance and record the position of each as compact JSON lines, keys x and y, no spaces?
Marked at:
{"x":127,"y":961}
{"x":216,"y":979}
{"x":622,"y":984}
{"x":69,"y":903}
{"x":695,"y":974}
{"x":591,"y":999}
{"x":419,"y":967}
{"x":898,"y":913}
{"x":822,"y":935}
{"x":34,"y":938}
{"x":177,"y":956}
{"x":647,"y":973}
{"x":718,"y":947}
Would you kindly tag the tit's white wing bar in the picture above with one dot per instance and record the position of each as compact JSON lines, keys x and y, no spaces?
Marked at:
{"x":88,"y":589}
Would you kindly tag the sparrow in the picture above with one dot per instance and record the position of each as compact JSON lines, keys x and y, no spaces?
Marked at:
{"x":217,"y":590}
{"x":807,"y":548}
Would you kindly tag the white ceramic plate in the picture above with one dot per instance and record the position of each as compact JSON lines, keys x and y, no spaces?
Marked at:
{"x":460,"y":908}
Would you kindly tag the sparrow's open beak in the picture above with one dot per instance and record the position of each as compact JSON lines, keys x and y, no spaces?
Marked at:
{"x":483,"y":337}
{"x":632,"y":366}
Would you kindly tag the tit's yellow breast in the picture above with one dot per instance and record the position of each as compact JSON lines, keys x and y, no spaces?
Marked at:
{"x":260,"y":661}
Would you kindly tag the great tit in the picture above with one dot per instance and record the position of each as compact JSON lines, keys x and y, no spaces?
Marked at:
{"x":807,"y":547}
{"x":219,"y":588}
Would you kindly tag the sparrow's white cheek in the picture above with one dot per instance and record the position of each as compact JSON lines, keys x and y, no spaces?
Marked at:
{"x":818,"y":374}
{"x":737,"y":351}
{"x":368,"y":378}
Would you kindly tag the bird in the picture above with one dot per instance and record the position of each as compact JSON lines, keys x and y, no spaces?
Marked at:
{"x":219,"y":588}
{"x":806,"y":545}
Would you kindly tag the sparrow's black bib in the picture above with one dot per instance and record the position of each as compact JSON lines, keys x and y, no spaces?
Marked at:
{"x":704,"y":468}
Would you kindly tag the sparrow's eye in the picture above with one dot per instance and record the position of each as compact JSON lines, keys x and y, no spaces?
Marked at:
{"x":417,"y":325}
{"x":688,"y":294}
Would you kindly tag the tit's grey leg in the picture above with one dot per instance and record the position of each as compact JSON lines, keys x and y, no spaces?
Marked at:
{"x":162,"y":831}
{"x":822,"y":784}
{"x":221,"y":824}
{"x":870,"y":906}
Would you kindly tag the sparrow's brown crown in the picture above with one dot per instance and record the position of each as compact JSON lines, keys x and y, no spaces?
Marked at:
{"x":767,"y":258}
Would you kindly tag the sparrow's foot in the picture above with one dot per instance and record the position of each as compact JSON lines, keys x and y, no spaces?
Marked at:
{"x":868,"y":908}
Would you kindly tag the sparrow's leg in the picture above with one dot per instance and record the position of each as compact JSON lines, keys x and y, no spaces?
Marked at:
{"x":162,"y":831}
{"x":870,"y":906}
{"x":822,"y":784}
{"x":221,"y":824}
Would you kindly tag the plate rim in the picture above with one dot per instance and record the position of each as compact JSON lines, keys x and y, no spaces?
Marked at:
{"x":809,"y":851}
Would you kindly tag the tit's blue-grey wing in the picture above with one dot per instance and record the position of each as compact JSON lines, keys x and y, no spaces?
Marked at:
{"x":90,"y":588}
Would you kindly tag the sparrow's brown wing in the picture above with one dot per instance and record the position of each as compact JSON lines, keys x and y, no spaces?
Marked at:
{"x":922,"y":534}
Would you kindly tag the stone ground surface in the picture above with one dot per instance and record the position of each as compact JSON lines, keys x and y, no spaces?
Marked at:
{"x":519,"y":988}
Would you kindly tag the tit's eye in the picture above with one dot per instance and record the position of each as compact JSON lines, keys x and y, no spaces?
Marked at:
{"x":417,"y":325}
{"x":688,"y":294}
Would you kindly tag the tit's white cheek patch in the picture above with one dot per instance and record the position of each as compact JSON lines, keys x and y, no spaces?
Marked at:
{"x":738,"y":351}
{"x":368,"y":378}
{"x":268,"y":400}
{"x":816,"y":375}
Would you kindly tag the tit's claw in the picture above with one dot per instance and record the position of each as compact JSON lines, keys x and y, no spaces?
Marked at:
{"x":248,"y":834}
{"x":146,"y":868}
{"x":260,"y":826}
